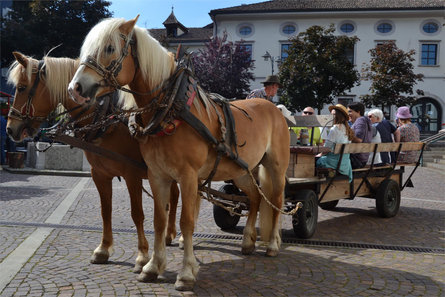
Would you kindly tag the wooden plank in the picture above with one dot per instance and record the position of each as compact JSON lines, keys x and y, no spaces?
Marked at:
{"x":353,"y":148}
{"x":311,"y":121}
{"x":305,"y":180}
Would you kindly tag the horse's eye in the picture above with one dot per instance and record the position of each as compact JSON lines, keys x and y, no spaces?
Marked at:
{"x":109,"y":50}
{"x":21,"y":88}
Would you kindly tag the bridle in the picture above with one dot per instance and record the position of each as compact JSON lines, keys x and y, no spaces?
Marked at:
{"x":26,"y":112}
{"x":110,"y":73}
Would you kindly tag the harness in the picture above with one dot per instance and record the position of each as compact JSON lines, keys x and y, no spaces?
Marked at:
{"x":26,"y":112}
{"x":173,"y":101}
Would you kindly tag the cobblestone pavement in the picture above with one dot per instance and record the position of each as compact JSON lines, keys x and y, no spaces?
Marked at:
{"x":353,"y":252}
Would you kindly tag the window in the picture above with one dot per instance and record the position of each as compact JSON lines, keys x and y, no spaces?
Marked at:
{"x":245,"y":30}
{"x":347,"y":28}
{"x":384,"y":28}
{"x":429,"y":54}
{"x":284,"y":49}
{"x":345,"y":101}
{"x":349,"y":54}
{"x":289,"y":29}
{"x":430,"y":27}
{"x":248,"y":48}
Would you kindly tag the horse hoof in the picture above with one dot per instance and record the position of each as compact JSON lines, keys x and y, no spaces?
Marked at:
{"x":181,"y":245}
{"x":183,"y":285}
{"x":137,"y":268}
{"x":168,"y":241}
{"x":247,"y":250}
{"x":99,"y":259}
{"x":271,"y":253}
{"x":147,"y":277}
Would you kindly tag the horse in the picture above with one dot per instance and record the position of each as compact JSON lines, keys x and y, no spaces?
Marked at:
{"x":116,"y":53}
{"x":40,"y":87}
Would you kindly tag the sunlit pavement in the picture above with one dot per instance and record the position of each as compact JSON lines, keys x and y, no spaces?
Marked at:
{"x":50,"y":225}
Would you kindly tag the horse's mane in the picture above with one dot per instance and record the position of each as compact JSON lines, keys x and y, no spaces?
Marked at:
{"x":156,"y":62}
{"x":58,"y":73}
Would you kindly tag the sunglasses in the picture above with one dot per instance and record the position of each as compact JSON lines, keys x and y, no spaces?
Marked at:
{"x":370,"y":116}
{"x":308,"y":112}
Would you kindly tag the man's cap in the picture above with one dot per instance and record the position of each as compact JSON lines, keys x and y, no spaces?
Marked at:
{"x":272,"y":79}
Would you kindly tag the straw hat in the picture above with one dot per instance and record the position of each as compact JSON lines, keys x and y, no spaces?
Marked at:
{"x":340,"y":108}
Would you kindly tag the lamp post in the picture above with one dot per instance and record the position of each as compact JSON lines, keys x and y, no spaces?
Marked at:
{"x":273,"y":59}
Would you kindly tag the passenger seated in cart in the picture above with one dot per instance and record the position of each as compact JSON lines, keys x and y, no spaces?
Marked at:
{"x":317,"y":138}
{"x":339,"y":133}
{"x":361,"y":126}
{"x":408,"y":133}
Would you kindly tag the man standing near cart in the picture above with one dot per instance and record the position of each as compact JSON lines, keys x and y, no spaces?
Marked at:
{"x":271,"y":86}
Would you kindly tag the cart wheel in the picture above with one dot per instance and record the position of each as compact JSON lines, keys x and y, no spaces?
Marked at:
{"x":330,"y":205}
{"x":304,"y":221}
{"x":387,"y":200}
{"x":222,"y":217}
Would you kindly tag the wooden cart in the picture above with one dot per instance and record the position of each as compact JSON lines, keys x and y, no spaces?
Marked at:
{"x":325,"y":187}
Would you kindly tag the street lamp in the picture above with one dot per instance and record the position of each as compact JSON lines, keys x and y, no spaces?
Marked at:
{"x":273,"y":59}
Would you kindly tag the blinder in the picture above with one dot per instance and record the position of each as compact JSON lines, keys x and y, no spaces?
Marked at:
{"x":110,"y":73}
{"x":26,"y":112}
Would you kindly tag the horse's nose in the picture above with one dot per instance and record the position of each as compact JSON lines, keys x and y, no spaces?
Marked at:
{"x":9,"y":131}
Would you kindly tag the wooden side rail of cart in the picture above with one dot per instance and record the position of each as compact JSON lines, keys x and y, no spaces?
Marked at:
{"x":369,"y":177}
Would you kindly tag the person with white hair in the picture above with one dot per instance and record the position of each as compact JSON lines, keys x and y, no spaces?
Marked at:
{"x":388,"y":133}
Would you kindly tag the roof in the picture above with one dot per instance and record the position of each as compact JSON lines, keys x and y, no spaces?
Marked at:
{"x":173,"y":21}
{"x":193,"y":35}
{"x":330,"y":5}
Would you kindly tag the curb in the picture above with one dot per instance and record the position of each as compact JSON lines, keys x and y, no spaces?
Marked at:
{"x":28,"y":170}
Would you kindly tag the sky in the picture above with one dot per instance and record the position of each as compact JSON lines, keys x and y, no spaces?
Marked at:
{"x":191,"y":13}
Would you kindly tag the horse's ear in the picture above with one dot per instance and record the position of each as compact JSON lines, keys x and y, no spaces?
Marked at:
{"x":22,"y":59}
{"x":128,"y":26}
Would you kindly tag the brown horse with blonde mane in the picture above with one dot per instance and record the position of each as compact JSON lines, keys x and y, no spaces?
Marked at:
{"x":40,"y":88}
{"x":117,"y":53}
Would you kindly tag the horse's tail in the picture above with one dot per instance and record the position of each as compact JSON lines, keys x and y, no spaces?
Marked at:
{"x":266,"y":212}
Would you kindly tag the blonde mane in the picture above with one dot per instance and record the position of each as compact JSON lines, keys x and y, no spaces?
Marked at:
{"x":58,"y":73}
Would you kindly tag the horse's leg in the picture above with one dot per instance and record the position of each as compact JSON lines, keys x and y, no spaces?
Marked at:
{"x":272,"y":183}
{"x":134,"y":185}
{"x":104,"y":187}
{"x":171,"y":227}
{"x":249,"y":233}
{"x":189,"y":193}
{"x":197,"y":207}
{"x":158,"y":261}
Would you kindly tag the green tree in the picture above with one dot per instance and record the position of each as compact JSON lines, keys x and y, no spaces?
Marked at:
{"x":34,"y":27}
{"x":393,"y":79}
{"x":317,"y":68}
{"x":224,"y":67}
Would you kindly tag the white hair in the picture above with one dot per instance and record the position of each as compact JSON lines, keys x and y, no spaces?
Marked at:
{"x":378,"y":113}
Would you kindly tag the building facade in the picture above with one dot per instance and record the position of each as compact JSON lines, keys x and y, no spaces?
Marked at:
{"x":267,"y":26}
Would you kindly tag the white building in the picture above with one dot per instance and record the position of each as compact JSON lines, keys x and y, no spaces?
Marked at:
{"x":417,"y":25}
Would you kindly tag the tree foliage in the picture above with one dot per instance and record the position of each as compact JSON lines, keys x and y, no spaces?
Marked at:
{"x":393,"y":79}
{"x":34,"y":27}
{"x":224,"y":67}
{"x":317,"y":68}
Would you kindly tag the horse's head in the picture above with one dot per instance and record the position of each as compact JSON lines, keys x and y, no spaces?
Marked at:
{"x":106,"y":60}
{"x":24,"y":118}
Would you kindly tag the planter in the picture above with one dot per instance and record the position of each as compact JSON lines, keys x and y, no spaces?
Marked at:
{"x":16,"y":159}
